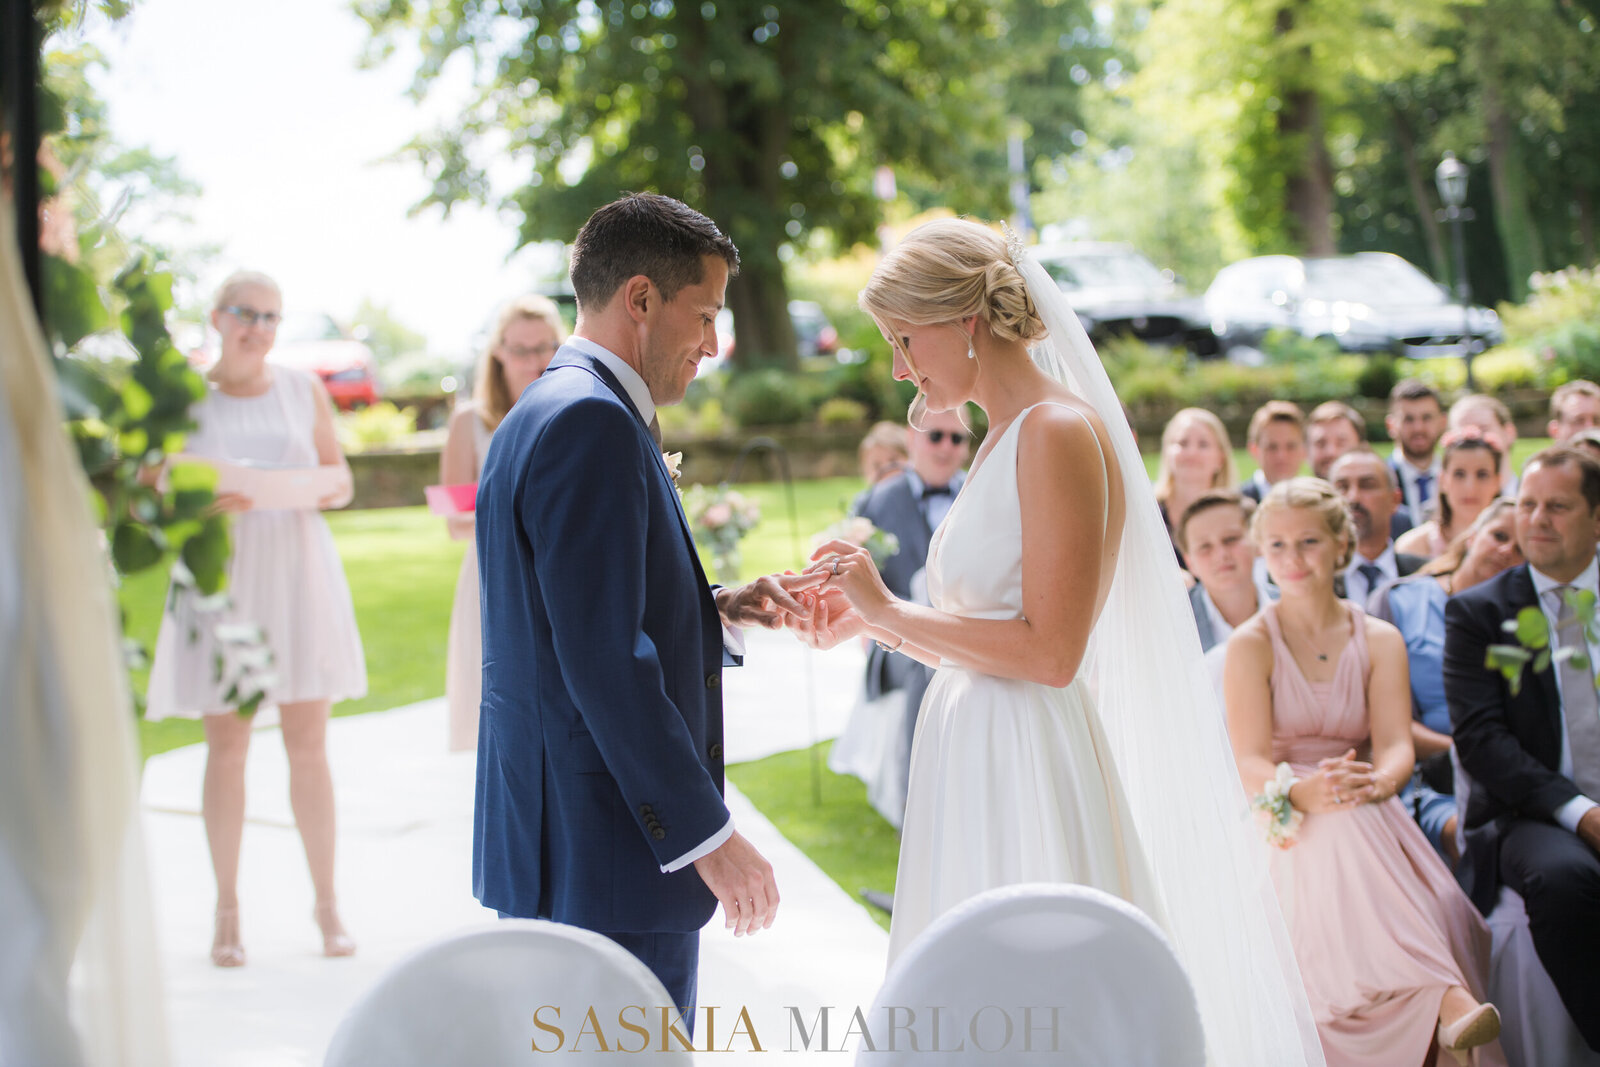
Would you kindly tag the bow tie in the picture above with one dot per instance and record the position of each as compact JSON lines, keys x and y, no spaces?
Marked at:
{"x":936,"y":490}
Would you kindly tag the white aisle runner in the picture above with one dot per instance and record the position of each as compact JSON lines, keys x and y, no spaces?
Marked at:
{"x":405,"y":850}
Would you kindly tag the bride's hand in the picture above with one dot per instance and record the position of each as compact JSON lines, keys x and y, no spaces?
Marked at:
{"x":832,"y":620}
{"x":850,"y":571}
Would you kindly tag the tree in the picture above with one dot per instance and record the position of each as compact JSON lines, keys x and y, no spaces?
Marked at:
{"x":771,"y":121}
{"x":387,"y":336}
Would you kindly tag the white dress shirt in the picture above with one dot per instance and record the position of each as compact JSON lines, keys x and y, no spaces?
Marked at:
{"x":1408,"y":484}
{"x":1570,"y":812}
{"x":1356,"y":586}
{"x":638,"y":392}
{"x":936,"y":507}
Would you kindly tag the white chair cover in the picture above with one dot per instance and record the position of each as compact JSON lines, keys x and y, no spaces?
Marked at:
{"x":1057,"y":974}
{"x":505,"y":994}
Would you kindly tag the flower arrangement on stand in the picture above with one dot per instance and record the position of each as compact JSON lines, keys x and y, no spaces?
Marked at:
{"x":859,"y":530}
{"x":720,"y":517}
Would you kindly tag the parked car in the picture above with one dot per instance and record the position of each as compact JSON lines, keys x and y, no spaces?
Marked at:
{"x":1117,"y":293}
{"x":313,"y":341}
{"x":1366,"y":302}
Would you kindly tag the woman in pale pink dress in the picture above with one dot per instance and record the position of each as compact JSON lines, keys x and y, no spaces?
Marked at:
{"x":525,"y":339}
{"x":1393,"y":954}
{"x":285,"y":577}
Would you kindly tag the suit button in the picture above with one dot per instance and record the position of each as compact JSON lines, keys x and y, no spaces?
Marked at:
{"x":645,"y":809}
{"x":658,"y":833}
{"x":713,"y":680}
{"x":715,"y":751}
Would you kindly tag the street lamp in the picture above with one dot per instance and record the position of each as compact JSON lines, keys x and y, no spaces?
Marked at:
{"x":1451,"y":178}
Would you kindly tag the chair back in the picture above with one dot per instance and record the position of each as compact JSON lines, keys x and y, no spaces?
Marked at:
{"x":1058,"y":974}
{"x":506,"y":993}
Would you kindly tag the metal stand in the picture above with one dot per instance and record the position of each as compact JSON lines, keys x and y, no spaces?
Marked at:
{"x":772,"y":447}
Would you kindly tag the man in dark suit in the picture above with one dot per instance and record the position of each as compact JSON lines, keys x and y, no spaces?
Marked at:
{"x":1277,"y":441}
{"x":911,"y":505}
{"x":1534,"y":757}
{"x":1367,"y":485}
{"x":1415,"y":422}
{"x":600,"y":760}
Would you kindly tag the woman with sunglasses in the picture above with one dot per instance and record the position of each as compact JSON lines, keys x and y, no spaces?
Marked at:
{"x":526,"y":335}
{"x":285,"y":577}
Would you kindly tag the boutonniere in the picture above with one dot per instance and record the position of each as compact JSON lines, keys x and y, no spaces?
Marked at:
{"x":673,"y":460}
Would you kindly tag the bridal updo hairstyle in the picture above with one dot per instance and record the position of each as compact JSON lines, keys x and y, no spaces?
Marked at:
{"x":949,"y":270}
{"x":1310,"y":494}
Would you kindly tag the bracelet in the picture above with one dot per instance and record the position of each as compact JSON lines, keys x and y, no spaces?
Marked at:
{"x":894,"y":648}
{"x":1279,"y":819}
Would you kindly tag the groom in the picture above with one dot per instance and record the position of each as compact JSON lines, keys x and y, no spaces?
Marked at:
{"x":599,"y":794}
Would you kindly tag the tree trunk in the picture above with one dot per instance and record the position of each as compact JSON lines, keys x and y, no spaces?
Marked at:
{"x":1419,"y":193}
{"x":1583,"y":197}
{"x":1508,"y":181}
{"x":1308,"y":190}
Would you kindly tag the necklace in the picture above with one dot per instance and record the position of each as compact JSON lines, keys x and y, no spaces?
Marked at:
{"x":1305,"y":639}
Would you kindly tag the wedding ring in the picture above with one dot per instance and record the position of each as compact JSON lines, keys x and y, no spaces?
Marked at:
{"x":835,"y":564}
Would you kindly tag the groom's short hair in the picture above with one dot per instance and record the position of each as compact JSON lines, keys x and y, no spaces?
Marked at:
{"x":645,"y":233}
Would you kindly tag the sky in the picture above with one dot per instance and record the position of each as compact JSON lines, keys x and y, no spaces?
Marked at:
{"x":264,"y":106}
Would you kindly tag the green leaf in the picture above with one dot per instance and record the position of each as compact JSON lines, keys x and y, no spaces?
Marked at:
{"x":136,"y":400}
{"x":206,"y":555}
{"x":1533,"y":629}
{"x":1542,"y":661}
{"x":134,"y":547}
{"x":188,"y":476}
{"x":72,"y":306}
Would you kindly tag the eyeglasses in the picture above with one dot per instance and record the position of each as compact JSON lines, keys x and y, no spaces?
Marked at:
{"x":956,"y":437}
{"x":250,"y":316}
{"x":525,"y":351}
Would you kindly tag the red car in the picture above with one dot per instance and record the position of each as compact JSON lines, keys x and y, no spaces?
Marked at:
{"x":313,"y":341}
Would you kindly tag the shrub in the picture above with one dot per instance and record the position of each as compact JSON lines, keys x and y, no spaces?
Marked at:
{"x":767,"y":398}
{"x":842,"y":411}
{"x":375,"y":426}
{"x":1287,"y":346}
{"x":1507,"y":367}
{"x":1378,"y":377}
{"x":1560,"y":323}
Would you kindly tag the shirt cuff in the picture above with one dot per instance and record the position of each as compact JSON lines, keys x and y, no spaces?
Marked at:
{"x":1569,"y":813}
{"x":708,"y":846}
{"x":732,"y":646}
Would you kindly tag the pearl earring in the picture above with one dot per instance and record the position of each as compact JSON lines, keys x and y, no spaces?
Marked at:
{"x":972,"y":353}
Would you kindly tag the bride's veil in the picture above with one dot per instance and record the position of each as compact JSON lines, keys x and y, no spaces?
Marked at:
{"x":1171,"y":748}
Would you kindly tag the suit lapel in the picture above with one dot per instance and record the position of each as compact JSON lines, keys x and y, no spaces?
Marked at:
{"x":1548,"y":696}
{"x":581,"y":360}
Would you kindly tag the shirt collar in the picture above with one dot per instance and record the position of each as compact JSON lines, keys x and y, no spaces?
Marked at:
{"x":627,"y":377}
{"x":916,"y":485}
{"x":1405,"y":467}
{"x":1543,"y":583}
{"x":1385,"y":562}
{"x":1261,"y":481}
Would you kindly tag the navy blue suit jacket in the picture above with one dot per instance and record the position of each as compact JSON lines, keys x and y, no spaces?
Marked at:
{"x":600,"y":745}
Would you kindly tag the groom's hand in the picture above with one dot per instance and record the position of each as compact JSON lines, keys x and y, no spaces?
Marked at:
{"x":742,"y":881}
{"x":768,"y":601}
{"x":832,"y":620}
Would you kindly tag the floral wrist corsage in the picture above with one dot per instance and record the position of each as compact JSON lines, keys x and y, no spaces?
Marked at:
{"x":1278,"y":817}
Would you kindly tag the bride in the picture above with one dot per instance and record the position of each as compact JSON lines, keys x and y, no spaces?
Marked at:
{"x":1053,"y":583}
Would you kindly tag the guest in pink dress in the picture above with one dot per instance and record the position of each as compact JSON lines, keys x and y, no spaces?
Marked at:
{"x":1393,"y":954}
{"x":525,"y":338}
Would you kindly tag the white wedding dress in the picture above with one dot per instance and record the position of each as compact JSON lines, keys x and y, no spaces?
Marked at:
{"x":1011,"y":781}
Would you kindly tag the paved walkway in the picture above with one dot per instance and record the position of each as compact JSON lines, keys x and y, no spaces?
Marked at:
{"x":405,"y":849}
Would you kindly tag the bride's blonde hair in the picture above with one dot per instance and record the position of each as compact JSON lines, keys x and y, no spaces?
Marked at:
{"x":944,"y":272}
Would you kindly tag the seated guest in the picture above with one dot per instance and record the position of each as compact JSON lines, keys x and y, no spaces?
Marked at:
{"x":1588,"y":440}
{"x":1277,"y":442}
{"x":876,"y":743}
{"x":1490,"y":416}
{"x":1196,"y":457}
{"x":883,"y":452}
{"x":1332,"y":429}
{"x":1533,"y":753}
{"x":1470,"y":479}
{"x":1366,"y":484}
{"x":1415,"y":606}
{"x":1574,"y":407}
{"x":1215,"y":538}
{"x":1393,"y":955}
{"x":1415,"y":422}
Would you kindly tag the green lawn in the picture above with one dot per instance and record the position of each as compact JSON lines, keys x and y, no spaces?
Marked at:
{"x":843,"y":834}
